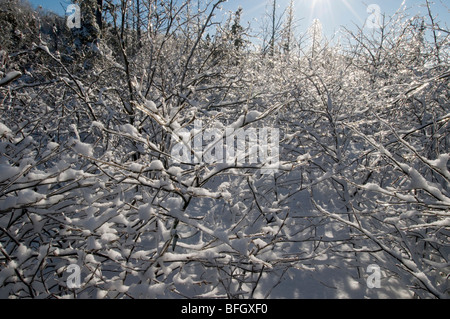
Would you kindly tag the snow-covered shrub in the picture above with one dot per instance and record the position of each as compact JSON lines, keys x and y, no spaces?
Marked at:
{"x":88,"y":181}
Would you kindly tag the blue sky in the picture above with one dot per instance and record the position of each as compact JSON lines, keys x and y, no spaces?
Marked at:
{"x":332,"y":13}
{"x":335,"y":13}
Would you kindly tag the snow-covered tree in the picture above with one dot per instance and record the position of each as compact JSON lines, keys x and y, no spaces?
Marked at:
{"x":315,"y":35}
{"x":288,"y":32}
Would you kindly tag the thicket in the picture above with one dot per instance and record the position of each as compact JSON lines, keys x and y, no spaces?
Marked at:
{"x":87,"y":177}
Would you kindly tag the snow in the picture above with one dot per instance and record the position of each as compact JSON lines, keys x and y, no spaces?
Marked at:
{"x":156,"y":165}
{"x":257,"y":261}
{"x":145,"y":291}
{"x":240,"y":245}
{"x":177,"y":280}
{"x":83,"y":148}
{"x":44,"y":48}
{"x":136,"y":167}
{"x":28,"y":196}
{"x":93,"y":244}
{"x":239,"y":123}
{"x":8,"y":203}
{"x":259,"y":243}
{"x":109,"y":237}
{"x":146,"y":212}
{"x":201,"y":192}
{"x":23,"y":252}
{"x":114,"y":255}
{"x":9,"y":77}
{"x":5,"y":131}
{"x":52,"y":145}
{"x":222,"y":235}
{"x":8,"y":171}
{"x":151,"y":106}
{"x":142,"y":255}
{"x":129,"y":129}
{"x":373,"y":187}
{"x":98,"y":125}
{"x":176,"y":171}
{"x":252,"y":116}
{"x":69,"y":174}
{"x":117,"y":286}
{"x":304,"y":158}
{"x":8,"y":271}
{"x":440,"y":163}
{"x":418,"y":181}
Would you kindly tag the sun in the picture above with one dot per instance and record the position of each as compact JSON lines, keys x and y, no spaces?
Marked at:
{"x":320,"y":5}
{"x":319,"y":9}
{"x":329,"y":8}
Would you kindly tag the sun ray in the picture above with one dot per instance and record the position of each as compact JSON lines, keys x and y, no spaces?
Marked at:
{"x":320,"y":9}
{"x":352,"y":10}
{"x":329,"y":9}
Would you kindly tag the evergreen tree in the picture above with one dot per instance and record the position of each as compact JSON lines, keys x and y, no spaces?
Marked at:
{"x":288,"y":37}
{"x":237,"y":30}
{"x":315,"y":34}
{"x":90,"y":30}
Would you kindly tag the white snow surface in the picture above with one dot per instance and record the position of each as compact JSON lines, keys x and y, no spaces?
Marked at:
{"x":10,"y":76}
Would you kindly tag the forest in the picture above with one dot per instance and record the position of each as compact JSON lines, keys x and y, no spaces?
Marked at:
{"x":114,"y":180}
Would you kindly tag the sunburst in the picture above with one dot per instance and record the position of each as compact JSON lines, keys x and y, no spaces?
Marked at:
{"x":328,"y":7}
